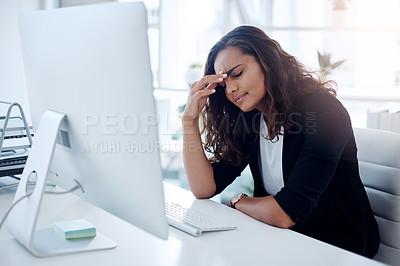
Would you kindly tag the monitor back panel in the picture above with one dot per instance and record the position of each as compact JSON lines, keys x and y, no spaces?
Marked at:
{"x":92,"y":63}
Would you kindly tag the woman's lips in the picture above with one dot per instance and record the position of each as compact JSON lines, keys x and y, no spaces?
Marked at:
{"x":240,"y":97}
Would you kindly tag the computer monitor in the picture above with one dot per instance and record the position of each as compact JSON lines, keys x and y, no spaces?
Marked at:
{"x":92,"y":64}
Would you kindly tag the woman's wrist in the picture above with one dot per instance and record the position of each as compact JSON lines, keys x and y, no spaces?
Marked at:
{"x":188,"y":117}
{"x":189,"y":122}
{"x":235,"y":199}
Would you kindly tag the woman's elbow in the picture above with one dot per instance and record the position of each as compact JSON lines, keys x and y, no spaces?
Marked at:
{"x":285,"y":223}
{"x":203,"y":194}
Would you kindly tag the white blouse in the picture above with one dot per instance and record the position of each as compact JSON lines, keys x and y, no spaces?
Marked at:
{"x":271,"y":161}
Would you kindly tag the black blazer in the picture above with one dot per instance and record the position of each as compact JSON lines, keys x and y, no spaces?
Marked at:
{"x":323,"y":192}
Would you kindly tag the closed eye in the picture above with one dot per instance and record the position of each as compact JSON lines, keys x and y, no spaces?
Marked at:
{"x":238,"y":75}
{"x":223,"y":84}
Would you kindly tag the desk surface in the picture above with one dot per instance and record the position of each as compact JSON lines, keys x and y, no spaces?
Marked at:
{"x":254,"y":243}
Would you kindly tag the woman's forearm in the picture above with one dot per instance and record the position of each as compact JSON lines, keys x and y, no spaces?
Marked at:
{"x":198,"y":169}
{"x":265,"y":209}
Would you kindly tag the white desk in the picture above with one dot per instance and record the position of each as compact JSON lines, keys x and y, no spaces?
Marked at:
{"x":254,"y":243}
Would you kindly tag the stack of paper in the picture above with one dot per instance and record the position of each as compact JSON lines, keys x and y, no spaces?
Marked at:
{"x":75,"y":229}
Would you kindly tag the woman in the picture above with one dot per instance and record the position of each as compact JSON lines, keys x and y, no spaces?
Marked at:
{"x":261,"y":107}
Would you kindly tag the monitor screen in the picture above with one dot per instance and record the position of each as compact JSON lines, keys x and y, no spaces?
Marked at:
{"x":92,"y":64}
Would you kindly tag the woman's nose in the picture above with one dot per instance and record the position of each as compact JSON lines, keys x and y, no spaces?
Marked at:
{"x":230,"y":87}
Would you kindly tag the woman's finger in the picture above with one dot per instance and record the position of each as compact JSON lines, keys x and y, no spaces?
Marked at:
{"x":203,"y":93}
{"x":206,"y":81}
{"x":194,"y":84}
{"x":211,"y":86}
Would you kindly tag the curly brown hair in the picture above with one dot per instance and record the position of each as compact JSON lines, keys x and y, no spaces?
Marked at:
{"x":225,"y":125}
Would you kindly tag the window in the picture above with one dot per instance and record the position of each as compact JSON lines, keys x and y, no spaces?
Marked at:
{"x":364,"y":33}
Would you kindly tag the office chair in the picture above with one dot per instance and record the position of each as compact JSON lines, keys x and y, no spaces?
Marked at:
{"x":379,"y":164}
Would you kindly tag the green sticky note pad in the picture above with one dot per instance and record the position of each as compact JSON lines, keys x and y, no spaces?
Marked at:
{"x":75,"y":229}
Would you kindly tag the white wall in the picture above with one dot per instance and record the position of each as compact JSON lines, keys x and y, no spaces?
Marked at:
{"x":12,"y":81}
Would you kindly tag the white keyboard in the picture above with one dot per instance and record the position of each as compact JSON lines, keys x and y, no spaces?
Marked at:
{"x":193,"y":222}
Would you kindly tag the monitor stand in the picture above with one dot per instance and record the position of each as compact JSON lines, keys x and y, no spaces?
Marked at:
{"x":23,"y":218}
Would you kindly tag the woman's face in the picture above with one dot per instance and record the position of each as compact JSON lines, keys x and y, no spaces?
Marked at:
{"x":244,"y":85}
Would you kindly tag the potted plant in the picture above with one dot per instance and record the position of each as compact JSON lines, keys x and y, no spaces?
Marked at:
{"x":325,"y":64}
